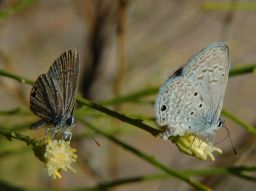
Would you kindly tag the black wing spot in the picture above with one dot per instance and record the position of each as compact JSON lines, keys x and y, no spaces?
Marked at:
{"x":189,"y":127}
{"x":163,"y":107}
{"x":33,"y":94}
{"x":200,"y":105}
{"x":220,"y":123}
{"x":195,"y":94}
{"x":192,"y":113}
{"x":178,"y":72}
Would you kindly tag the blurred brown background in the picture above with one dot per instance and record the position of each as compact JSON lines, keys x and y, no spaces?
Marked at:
{"x":124,"y":46}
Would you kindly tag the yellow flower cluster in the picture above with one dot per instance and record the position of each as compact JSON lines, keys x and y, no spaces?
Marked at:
{"x":59,"y":156}
{"x":193,"y":145}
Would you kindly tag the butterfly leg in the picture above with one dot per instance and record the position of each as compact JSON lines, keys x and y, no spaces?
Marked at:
{"x":51,"y":132}
{"x":209,"y":138}
{"x":67,"y":135}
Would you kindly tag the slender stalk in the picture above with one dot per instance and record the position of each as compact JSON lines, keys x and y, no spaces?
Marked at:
{"x":135,"y":96}
{"x":16,"y":7}
{"x":16,"y":77}
{"x":229,"y":6}
{"x":11,"y":111}
{"x":13,"y":135}
{"x":236,"y":171}
{"x":243,"y":124}
{"x":147,"y":158}
{"x":242,"y":69}
{"x":121,"y":117}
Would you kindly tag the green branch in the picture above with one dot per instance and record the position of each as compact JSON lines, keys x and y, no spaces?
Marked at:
{"x":147,"y":158}
{"x":16,"y":77}
{"x":135,"y":96}
{"x":235,"y":171}
{"x":13,"y":135}
{"x":242,"y":69}
{"x":121,"y":117}
{"x":16,"y":7}
{"x":229,"y":6}
{"x":243,"y":124}
{"x":11,"y":111}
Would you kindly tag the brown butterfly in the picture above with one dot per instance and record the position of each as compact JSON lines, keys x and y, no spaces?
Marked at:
{"x":53,"y":95}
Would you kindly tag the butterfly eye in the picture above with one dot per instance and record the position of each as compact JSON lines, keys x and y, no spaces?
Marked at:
{"x":70,"y":121}
{"x":219,"y":123}
{"x":163,"y":107}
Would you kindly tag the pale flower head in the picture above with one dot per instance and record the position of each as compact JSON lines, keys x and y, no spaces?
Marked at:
{"x":193,"y":145}
{"x":59,"y":156}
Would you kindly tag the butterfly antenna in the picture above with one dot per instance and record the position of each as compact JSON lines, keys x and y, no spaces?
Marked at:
{"x":234,"y":150}
{"x":97,"y":143}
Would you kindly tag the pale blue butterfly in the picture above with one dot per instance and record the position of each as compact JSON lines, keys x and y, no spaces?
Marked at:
{"x":190,"y":101}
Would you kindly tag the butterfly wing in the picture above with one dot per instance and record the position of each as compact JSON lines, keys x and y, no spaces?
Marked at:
{"x":52,"y":97}
{"x":179,"y":107}
{"x":65,"y":70}
{"x":45,"y":100}
{"x":191,"y":99}
{"x":208,"y":71}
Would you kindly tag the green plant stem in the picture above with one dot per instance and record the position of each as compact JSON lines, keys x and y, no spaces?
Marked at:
{"x":13,"y":135}
{"x":147,"y":158}
{"x":242,"y":69}
{"x":16,"y":77}
{"x":10,"y":112}
{"x":16,"y":7}
{"x":229,"y":6}
{"x":236,"y":171}
{"x":141,"y":178}
{"x":135,"y":96}
{"x":121,"y":117}
{"x":243,"y":124}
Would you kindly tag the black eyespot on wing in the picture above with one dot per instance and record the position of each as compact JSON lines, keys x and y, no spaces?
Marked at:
{"x":195,"y":94}
{"x":192,"y":113}
{"x":200,"y":105}
{"x":163,"y":107}
{"x":178,"y":72}
{"x":219,"y":123}
{"x":33,"y":94}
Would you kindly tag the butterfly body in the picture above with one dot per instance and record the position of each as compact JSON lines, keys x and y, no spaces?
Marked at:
{"x":190,"y":101}
{"x":52,"y":97}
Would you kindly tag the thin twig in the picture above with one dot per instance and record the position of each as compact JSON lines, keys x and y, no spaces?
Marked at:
{"x":14,"y":135}
{"x":16,"y":77}
{"x":240,"y":122}
{"x":121,"y":117}
{"x":16,"y":7}
{"x":147,"y":158}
